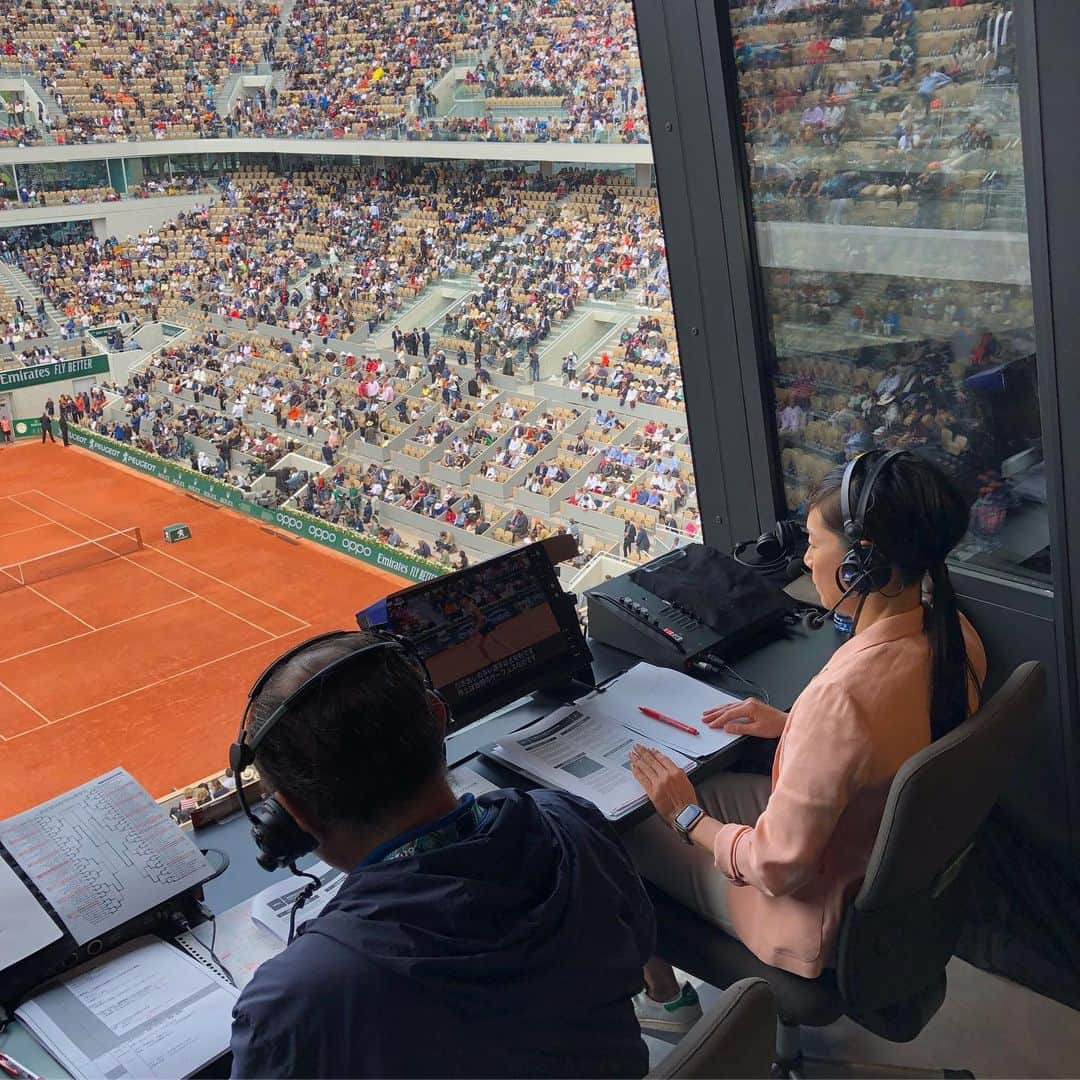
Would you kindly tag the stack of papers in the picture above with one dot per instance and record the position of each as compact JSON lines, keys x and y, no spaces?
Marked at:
{"x":585,"y":753}
{"x":669,"y":692}
{"x":584,"y":748}
{"x":145,"y":1010}
{"x":103,"y":853}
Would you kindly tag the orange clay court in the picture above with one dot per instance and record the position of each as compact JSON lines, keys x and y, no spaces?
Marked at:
{"x":144,"y":660}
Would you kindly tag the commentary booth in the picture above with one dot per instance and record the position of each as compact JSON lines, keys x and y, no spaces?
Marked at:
{"x":839,"y":284}
{"x":533,"y":702}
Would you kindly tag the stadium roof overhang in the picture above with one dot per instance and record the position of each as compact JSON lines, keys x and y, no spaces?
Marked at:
{"x":581,"y":153}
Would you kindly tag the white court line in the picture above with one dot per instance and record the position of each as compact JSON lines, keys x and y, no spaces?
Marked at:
{"x":27,"y":704}
{"x":169,"y":555}
{"x":96,"y":629}
{"x":29,"y":528}
{"x":128,"y":559}
{"x":60,"y":607}
{"x":169,"y":678}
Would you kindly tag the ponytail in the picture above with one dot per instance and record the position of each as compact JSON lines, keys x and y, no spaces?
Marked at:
{"x":951,"y":671}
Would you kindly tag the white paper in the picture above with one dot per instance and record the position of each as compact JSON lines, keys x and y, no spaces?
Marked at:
{"x":669,"y":692}
{"x":242,"y":944}
{"x":585,"y":754}
{"x":25,"y":926}
{"x":144,"y":1010}
{"x":463,"y":779}
{"x":103,"y":853}
{"x":272,"y":907}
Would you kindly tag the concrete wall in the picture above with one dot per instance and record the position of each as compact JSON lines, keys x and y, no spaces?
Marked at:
{"x":427,"y":311}
{"x":122,"y":219}
{"x":581,"y":334}
{"x":465,"y":150}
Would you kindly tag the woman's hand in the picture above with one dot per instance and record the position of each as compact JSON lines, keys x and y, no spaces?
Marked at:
{"x":748,"y":717}
{"x":668,"y":787}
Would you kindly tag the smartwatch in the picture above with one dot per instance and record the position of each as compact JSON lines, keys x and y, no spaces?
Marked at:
{"x":686,"y":819}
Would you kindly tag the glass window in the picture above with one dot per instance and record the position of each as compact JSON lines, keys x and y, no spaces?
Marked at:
{"x":884,"y":148}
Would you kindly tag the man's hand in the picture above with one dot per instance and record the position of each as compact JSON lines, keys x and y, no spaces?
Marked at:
{"x":748,"y":717}
{"x":668,"y":787}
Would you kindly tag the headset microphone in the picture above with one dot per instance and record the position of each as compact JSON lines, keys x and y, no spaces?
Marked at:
{"x":815,"y":620}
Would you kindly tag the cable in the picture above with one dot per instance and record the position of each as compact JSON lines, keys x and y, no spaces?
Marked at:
{"x":713,"y":665}
{"x":302,"y":899}
{"x":210,"y":948}
{"x":772,"y":566}
{"x":762,"y":692}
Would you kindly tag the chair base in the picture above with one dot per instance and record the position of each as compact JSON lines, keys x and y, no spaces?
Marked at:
{"x":802,"y":1066}
{"x":790,"y":1063}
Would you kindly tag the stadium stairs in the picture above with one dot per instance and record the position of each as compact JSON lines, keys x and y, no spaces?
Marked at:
{"x":16,"y":283}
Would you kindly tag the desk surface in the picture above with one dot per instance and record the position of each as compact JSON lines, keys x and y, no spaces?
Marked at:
{"x":782,"y":666}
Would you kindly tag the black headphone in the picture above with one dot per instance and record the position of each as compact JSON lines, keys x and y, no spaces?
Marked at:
{"x":778,"y":549}
{"x":277,"y":836}
{"x":865,"y":568}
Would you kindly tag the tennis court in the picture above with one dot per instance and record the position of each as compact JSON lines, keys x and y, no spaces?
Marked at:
{"x":119,"y":648}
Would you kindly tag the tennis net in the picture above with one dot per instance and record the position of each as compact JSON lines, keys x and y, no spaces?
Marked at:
{"x":114,"y":545}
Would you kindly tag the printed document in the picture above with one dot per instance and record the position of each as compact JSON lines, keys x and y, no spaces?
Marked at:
{"x":272,"y":907}
{"x":25,"y":926}
{"x":144,"y":1010}
{"x":669,"y":692}
{"x":103,"y":853}
{"x":585,"y":754}
{"x":463,"y":778}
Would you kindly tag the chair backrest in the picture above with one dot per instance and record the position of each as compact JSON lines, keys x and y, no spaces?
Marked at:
{"x":900,"y":931}
{"x":735,"y":1038}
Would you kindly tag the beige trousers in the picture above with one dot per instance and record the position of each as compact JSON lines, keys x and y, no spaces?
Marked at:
{"x":687,"y":873}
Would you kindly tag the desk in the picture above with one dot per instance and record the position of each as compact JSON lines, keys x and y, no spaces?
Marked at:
{"x":783,"y":666}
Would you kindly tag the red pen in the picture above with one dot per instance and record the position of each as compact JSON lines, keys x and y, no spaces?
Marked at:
{"x":654,"y":715}
{"x":12,"y":1068}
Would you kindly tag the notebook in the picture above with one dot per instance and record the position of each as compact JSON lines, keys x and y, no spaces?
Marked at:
{"x":146,"y":1010}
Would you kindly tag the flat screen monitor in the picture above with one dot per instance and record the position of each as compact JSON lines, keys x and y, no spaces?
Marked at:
{"x":489,"y":634}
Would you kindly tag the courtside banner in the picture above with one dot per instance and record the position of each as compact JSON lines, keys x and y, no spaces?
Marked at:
{"x":357,"y":545}
{"x":75,"y":368}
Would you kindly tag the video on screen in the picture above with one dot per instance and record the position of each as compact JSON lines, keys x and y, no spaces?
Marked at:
{"x":475,"y":631}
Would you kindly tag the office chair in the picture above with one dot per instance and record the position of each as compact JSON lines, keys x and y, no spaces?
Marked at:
{"x":899,"y":932}
{"x":733,"y":1039}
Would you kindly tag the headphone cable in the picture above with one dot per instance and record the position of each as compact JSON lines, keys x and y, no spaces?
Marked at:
{"x":302,"y":899}
{"x":210,"y":948}
{"x":770,"y":567}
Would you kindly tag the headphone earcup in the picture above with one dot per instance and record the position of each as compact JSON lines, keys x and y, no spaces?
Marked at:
{"x":770,"y":545}
{"x":277,"y":836}
{"x":850,"y":569}
{"x":865,"y":568}
{"x":795,"y":568}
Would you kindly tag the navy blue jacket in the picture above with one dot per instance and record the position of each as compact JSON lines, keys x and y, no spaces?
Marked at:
{"x":513,"y":952}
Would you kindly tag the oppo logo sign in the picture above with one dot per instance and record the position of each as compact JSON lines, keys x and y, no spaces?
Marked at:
{"x":354,"y":547}
{"x":317,"y":532}
{"x":289,"y":521}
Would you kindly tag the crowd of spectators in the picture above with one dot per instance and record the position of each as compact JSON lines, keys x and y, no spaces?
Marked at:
{"x":139,"y":71}
{"x":350,"y":69}
{"x":325,"y":251}
{"x":878,"y":111}
{"x":281,"y":279}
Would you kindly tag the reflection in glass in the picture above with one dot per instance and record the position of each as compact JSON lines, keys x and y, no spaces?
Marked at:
{"x":884,"y":146}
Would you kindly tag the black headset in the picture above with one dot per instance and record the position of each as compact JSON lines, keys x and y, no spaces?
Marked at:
{"x":865,"y":568}
{"x":277,"y":836}
{"x":778,"y":549}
